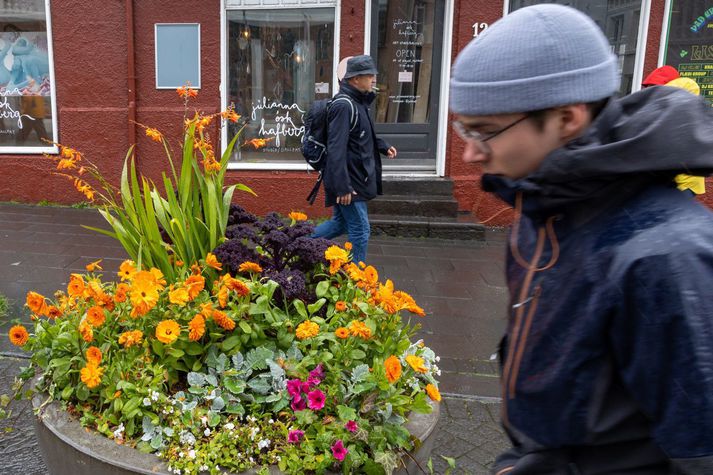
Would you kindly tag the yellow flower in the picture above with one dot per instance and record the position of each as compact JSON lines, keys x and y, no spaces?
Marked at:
{"x":340,"y":306}
{"x":85,"y":329}
{"x":392,"y":365}
{"x":127,"y":269}
{"x":96,"y":316}
{"x":92,"y":266}
{"x":433,"y":392}
{"x":357,"y":328}
{"x":154,"y":134}
{"x":18,"y":335}
{"x":297,"y":216}
{"x":416,"y":363}
{"x":342,"y":332}
{"x":248,"y":266}
{"x":194,"y":284}
{"x":157,"y":277}
{"x":223,"y":320}
{"x":94,"y":355}
{"x":167,"y":331}
{"x":306,"y":330}
{"x":131,"y":338}
{"x":75,"y":288}
{"x":196,"y":328}
{"x":336,"y":253}
{"x":212,"y":261}
{"x":144,"y":293}
{"x":36,"y":303}
{"x":91,"y":375}
{"x":178,"y":296}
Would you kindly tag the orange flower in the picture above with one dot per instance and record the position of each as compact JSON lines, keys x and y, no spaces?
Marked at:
{"x":196,"y":328}
{"x":257,"y":143}
{"x":336,"y":257}
{"x":235,"y":285}
{"x":178,"y":296}
{"x":206,"y":310}
{"x":212,"y":261}
{"x":144,"y":293}
{"x":340,"y":306}
{"x":223,"y":320}
{"x":416,"y":363}
{"x":91,"y":375}
{"x":248,"y":266}
{"x":127,"y":269}
{"x":297,"y":216}
{"x":223,"y":296}
{"x":167,"y":331}
{"x":53,"y":312}
{"x":157,"y":278}
{"x":357,"y":328}
{"x":96,"y":316}
{"x":306,"y":330}
{"x":121,"y":291}
{"x":187,"y":92}
{"x":131,"y":338}
{"x":194,"y":284}
{"x":92,"y":266}
{"x":342,"y":332}
{"x":36,"y":303}
{"x":154,"y":134}
{"x":230,"y":115}
{"x":211,"y":165}
{"x":18,"y":335}
{"x":348,"y":246}
{"x":392,"y":365}
{"x":405,"y":301}
{"x":66,"y":164}
{"x":433,"y":392}
{"x":94,"y":355}
{"x":85,"y":329}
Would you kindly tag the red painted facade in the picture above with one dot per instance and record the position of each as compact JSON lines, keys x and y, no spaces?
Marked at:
{"x":90,"y":44}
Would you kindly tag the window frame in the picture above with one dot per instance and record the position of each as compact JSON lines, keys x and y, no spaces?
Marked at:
{"x":155,"y":41}
{"x":52,"y":149}
{"x":224,"y":8}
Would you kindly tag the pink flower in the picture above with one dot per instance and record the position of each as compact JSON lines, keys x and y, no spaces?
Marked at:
{"x":293,"y":387}
{"x":295,"y":436}
{"x":298,"y":404}
{"x":317,"y":373}
{"x":339,"y":451}
{"x":313,"y":381}
{"x":306,"y":386}
{"x":351,"y":426}
{"x":316,"y":400}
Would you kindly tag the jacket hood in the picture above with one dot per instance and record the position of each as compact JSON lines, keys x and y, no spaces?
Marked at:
{"x":645,"y":138}
{"x":359,"y":96}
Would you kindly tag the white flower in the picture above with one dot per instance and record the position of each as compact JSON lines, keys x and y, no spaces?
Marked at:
{"x":438,"y":358}
{"x":271,"y":421}
{"x":118,"y":433}
{"x":229,"y":426}
{"x":191,"y":454}
{"x":180,"y":455}
{"x":204,"y":420}
{"x":263,"y":443}
{"x":154,"y":395}
{"x":203,"y":468}
{"x":147,"y":401}
{"x":206,"y":432}
{"x":251,"y":460}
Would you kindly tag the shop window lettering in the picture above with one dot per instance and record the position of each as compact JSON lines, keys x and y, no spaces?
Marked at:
{"x":701,"y":52}
{"x":284,"y":120}
{"x":7,"y":112}
{"x":702,"y":20}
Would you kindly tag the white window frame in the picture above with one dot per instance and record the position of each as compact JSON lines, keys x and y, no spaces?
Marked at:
{"x":641,"y":40}
{"x":297,"y":165}
{"x":444,"y":101}
{"x":52,"y":149}
{"x":155,"y":54}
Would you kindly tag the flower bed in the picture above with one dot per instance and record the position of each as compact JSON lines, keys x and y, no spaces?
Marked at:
{"x":230,"y":342}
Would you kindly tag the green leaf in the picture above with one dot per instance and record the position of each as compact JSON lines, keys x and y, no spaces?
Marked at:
{"x":346,"y":413}
{"x":82,"y":392}
{"x":234,"y":384}
{"x":300,"y":307}
{"x":245,"y":327}
{"x":257,"y":358}
{"x":420,"y":404}
{"x":67,"y":392}
{"x":322,"y":288}
{"x":232,"y":341}
{"x":314,"y":307}
{"x":194,"y":348}
{"x":260,"y":385}
{"x":213,"y":418}
{"x":196,"y":379}
{"x":218,"y":404}
{"x":175,"y":352}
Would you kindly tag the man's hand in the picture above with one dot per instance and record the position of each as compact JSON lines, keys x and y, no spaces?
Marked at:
{"x":392,"y":152}
{"x":345,"y":200}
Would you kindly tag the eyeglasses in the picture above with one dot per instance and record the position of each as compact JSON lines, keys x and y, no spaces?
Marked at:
{"x":473,"y":135}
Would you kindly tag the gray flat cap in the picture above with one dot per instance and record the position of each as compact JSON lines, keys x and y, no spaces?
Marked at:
{"x":359,"y":66}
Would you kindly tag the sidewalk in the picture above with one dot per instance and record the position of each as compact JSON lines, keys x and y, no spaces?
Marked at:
{"x":460,"y":284}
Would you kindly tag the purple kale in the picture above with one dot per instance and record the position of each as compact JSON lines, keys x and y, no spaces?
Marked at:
{"x":238,"y":215}
{"x":292,"y":284}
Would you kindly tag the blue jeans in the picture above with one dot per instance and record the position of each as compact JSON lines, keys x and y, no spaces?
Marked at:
{"x":353,"y":220}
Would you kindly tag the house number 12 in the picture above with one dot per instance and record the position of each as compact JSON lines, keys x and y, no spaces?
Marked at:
{"x":479,"y":28}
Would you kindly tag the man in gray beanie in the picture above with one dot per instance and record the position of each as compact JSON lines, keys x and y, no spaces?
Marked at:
{"x":607,"y":363}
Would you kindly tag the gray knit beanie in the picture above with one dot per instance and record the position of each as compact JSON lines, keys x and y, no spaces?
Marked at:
{"x":537,"y":57}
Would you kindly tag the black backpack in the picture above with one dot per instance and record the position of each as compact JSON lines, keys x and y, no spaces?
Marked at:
{"x":314,"y":142}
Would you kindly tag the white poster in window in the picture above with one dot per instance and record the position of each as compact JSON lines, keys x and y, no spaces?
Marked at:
{"x":405,"y":76}
{"x":321,"y":88}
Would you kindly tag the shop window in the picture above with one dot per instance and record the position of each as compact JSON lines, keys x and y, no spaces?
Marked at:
{"x":278,"y":63}
{"x":619,"y":19}
{"x":27,"y":104}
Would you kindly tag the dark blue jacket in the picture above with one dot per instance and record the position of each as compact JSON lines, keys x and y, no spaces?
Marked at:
{"x":608,"y":357}
{"x":353,"y":160}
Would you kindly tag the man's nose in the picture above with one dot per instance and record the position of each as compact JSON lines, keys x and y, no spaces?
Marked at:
{"x":474,"y":152}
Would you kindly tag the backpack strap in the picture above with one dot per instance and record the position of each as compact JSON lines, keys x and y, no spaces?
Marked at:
{"x":354,"y":115}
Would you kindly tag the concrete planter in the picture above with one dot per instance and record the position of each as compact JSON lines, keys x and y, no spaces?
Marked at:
{"x":69,"y":449}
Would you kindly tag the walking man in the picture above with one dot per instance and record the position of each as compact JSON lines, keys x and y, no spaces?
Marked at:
{"x":353,"y":172}
{"x":607,"y":362}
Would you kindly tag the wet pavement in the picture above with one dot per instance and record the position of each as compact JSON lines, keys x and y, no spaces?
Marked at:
{"x":460,"y":284}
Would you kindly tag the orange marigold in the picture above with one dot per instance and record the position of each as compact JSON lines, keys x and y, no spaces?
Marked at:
{"x":36,"y":303}
{"x":348,"y":246}
{"x":53,"y":311}
{"x":167,"y":331}
{"x":92,"y":266}
{"x":357,"y":328}
{"x":96,"y":316}
{"x":131,"y":338}
{"x":196,"y":328}
{"x":121,"y":292}
{"x":212,"y":261}
{"x":340,"y":306}
{"x":18,"y":335}
{"x":342,"y":332}
{"x":91,"y":375}
{"x":306,"y":330}
{"x":94,"y":355}
{"x":223,"y":320}
{"x":392,"y":365}
{"x":194,"y":284}
{"x":223,"y":296}
{"x":417,"y":363}
{"x":178,"y":296}
{"x":297,"y":216}
{"x":85,"y":329}
{"x":248,"y":266}
{"x":433,"y":392}
{"x":127,"y":269}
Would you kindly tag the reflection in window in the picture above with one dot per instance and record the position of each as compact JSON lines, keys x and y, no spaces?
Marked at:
{"x":279,"y":62}
{"x":25,"y":87}
{"x":619,"y":19}
{"x":404,"y":60}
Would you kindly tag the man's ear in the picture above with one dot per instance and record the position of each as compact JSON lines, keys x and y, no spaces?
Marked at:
{"x":574,"y":120}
